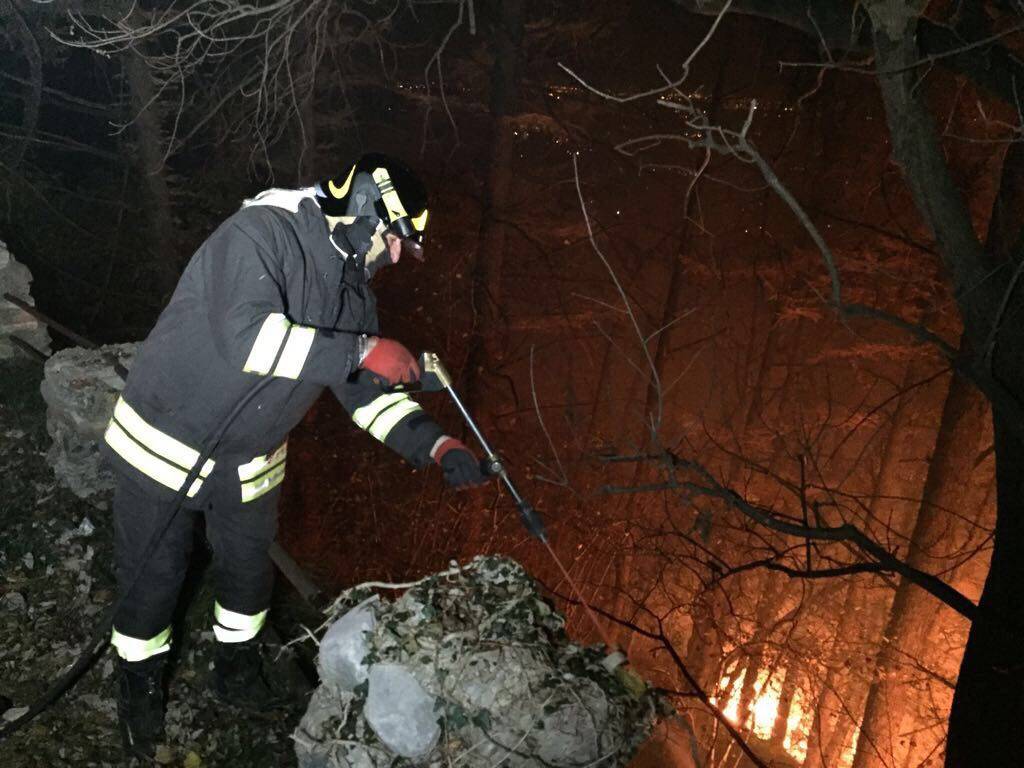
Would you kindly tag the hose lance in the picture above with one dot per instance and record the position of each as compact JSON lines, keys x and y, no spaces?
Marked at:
{"x":434,"y":378}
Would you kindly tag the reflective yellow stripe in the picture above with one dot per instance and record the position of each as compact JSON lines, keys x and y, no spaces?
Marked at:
{"x":296,"y":349}
{"x":255,"y":467}
{"x":263,"y":473}
{"x":256,"y":488}
{"x":231,"y":627}
{"x":134,"y":649}
{"x":364,"y":416}
{"x":419,"y":223}
{"x":163,"y":472}
{"x":160,"y":443}
{"x":268,"y":342}
{"x":388,"y":194}
{"x":384,"y":423}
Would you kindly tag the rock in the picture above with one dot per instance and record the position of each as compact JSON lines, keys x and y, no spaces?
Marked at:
{"x":13,"y":601}
{"x":344,"y":648}
{"x":85,"y":528}
{"x":477,"y":655}
{"x":80,"y":387}
{"x":14,"y":713}
{"x":400,"y":712}
{"x":16,"y":280}
{"x":164,"y":755}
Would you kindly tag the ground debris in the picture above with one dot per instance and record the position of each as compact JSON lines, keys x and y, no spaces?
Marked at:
{"x":51,"y":602}
{"x":491,"y":656}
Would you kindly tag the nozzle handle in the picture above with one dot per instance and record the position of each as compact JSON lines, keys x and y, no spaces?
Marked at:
{"x":434,"y":377}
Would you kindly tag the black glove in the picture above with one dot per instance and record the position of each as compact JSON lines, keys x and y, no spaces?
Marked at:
{"x":461,"y":467}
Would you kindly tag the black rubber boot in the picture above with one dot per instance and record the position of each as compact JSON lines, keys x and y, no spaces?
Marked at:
{"x":239,"y":677}
{"x":140,"y":705}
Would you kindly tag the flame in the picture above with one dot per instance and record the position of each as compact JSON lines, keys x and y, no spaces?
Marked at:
{"x":764,"y":710}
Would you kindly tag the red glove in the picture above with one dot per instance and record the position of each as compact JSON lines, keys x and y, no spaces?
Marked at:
{"x":392,"y":362}
{"x":461,"y":467}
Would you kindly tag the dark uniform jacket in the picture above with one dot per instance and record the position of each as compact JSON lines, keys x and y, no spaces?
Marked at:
{"x":268,"y":295}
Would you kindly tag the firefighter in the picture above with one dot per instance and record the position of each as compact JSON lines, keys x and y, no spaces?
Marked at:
{"x":273,"y":307}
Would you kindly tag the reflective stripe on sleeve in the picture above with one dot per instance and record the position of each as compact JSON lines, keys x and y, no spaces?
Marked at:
{"x":296,"y":349}
{"x":256,"y":488}
{"x":135,"y":649}
{"x":268,"y":342}
{"x":231,"y":627}
{"x":262,"y":473}
{"x":151,"y":451}
{"x":258,"y":465}
{"x":383,"y":424}
{"x":364,"y":415}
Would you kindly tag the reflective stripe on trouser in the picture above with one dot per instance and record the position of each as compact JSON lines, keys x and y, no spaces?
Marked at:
{"x":152,"y":451}
{"x":232,"y":627}
{"x":380,"y":416}
{"x":278,"y":334}
{"x":239,"y":535}
{"x":136,"y":649}
{"x":262,"y":473}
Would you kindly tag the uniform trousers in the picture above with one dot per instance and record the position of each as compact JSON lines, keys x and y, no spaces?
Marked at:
{"x":240,"y":535}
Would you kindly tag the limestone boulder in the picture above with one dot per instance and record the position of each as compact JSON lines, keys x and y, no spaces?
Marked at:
{"x":80,"y":387}
{"x":16,"y":280}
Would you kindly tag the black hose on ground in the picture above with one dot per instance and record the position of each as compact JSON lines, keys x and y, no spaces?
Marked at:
{"x":101,"y":636}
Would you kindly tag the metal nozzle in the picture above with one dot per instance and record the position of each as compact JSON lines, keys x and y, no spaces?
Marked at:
{"x":532,"y":521}
{"x":434,"y":370}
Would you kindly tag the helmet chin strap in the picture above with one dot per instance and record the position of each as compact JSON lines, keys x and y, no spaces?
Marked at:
{"x":354,"y":237}
{"x":379,"y":255}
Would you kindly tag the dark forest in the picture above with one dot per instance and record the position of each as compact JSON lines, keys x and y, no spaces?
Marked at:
{"x":734,"y":287}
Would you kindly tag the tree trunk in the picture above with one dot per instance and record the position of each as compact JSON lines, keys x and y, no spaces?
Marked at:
{"x":487,"y":350}
{"x":984,"y":723}
{"x":296,"y":162}
{"x":767,"y":611}
{"x":654,"y":403}
{"x":148,"y":159}
{"x":988,"y":705}
{"x":786,"y":696}
{"x":860,"y":622}
{"x":487,"y":345}
{"x":913,"y":611}
{"x":30,"y":104}
{"x":828,"y":709}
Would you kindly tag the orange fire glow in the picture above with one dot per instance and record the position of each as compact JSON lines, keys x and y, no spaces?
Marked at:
{"x":764,"y":709}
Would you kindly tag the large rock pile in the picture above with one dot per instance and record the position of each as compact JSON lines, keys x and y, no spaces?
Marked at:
{"x":470,"y":667}
{"x":16,"y":280}
{"x":80,"y":387}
